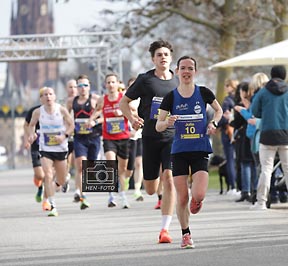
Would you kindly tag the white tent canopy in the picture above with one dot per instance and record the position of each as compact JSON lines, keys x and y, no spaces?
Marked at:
{"x":275,"y":54}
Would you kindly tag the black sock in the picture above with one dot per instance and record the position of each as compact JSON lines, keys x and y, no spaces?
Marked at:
{"x":185,"y":231}
{"x":160,"y":197}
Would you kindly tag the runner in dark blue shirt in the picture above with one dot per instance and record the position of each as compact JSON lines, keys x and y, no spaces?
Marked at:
{"x":185,"y":109}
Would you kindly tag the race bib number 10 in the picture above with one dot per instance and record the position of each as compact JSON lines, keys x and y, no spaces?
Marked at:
{"x":190,"y":126}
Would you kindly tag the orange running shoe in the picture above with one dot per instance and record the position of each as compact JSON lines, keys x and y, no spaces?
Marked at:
{"x":158,"y":205}
{"x":46,"y":206}
{"x":37,"y":182}
{"x":164,"y":237}
{"x":195,"y":206}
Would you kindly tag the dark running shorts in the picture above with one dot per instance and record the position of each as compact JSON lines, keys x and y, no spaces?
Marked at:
{"x":70,"y":147}
{"x":88,"y":147}
{"x":156,"y":152}
{"x":35,"y":156}
{"x":135,"y":150}
{"x":120,"y":147}
{"x":54,"y":156}
{"x":197,"y":161}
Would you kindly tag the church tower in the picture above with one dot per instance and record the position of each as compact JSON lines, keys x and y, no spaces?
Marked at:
{"x":32,"y":17}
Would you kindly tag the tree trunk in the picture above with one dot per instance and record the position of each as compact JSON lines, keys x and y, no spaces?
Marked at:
{"x":227,"y":49}
{"x":281,"y":32}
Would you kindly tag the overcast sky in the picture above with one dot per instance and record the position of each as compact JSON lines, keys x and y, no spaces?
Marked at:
{"x":69,"y":17}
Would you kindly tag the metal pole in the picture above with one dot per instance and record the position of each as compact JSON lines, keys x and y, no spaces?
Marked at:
{"x":99,"y":87}
{"x":13,"y":131}
{"x":120,"y":65}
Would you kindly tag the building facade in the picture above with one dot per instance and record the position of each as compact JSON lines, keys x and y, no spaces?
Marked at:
{"x":31,"y":17}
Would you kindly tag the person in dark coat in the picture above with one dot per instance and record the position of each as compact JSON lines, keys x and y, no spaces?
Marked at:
{"x":243,"y":147}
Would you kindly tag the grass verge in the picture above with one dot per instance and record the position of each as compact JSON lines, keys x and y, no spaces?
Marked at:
{"x":213,"y":178}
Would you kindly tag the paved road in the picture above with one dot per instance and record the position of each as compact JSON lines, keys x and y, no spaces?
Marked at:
{"x":225,"y":233}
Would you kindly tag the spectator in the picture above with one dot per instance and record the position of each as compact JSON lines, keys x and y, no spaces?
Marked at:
{"x":257,"y":82}
{"x":227,"y":133}
{"x":245,"y":157}
{"x":271,"y":105}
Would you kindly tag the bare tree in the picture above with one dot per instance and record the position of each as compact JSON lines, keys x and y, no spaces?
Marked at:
{"x":214,"y":30}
